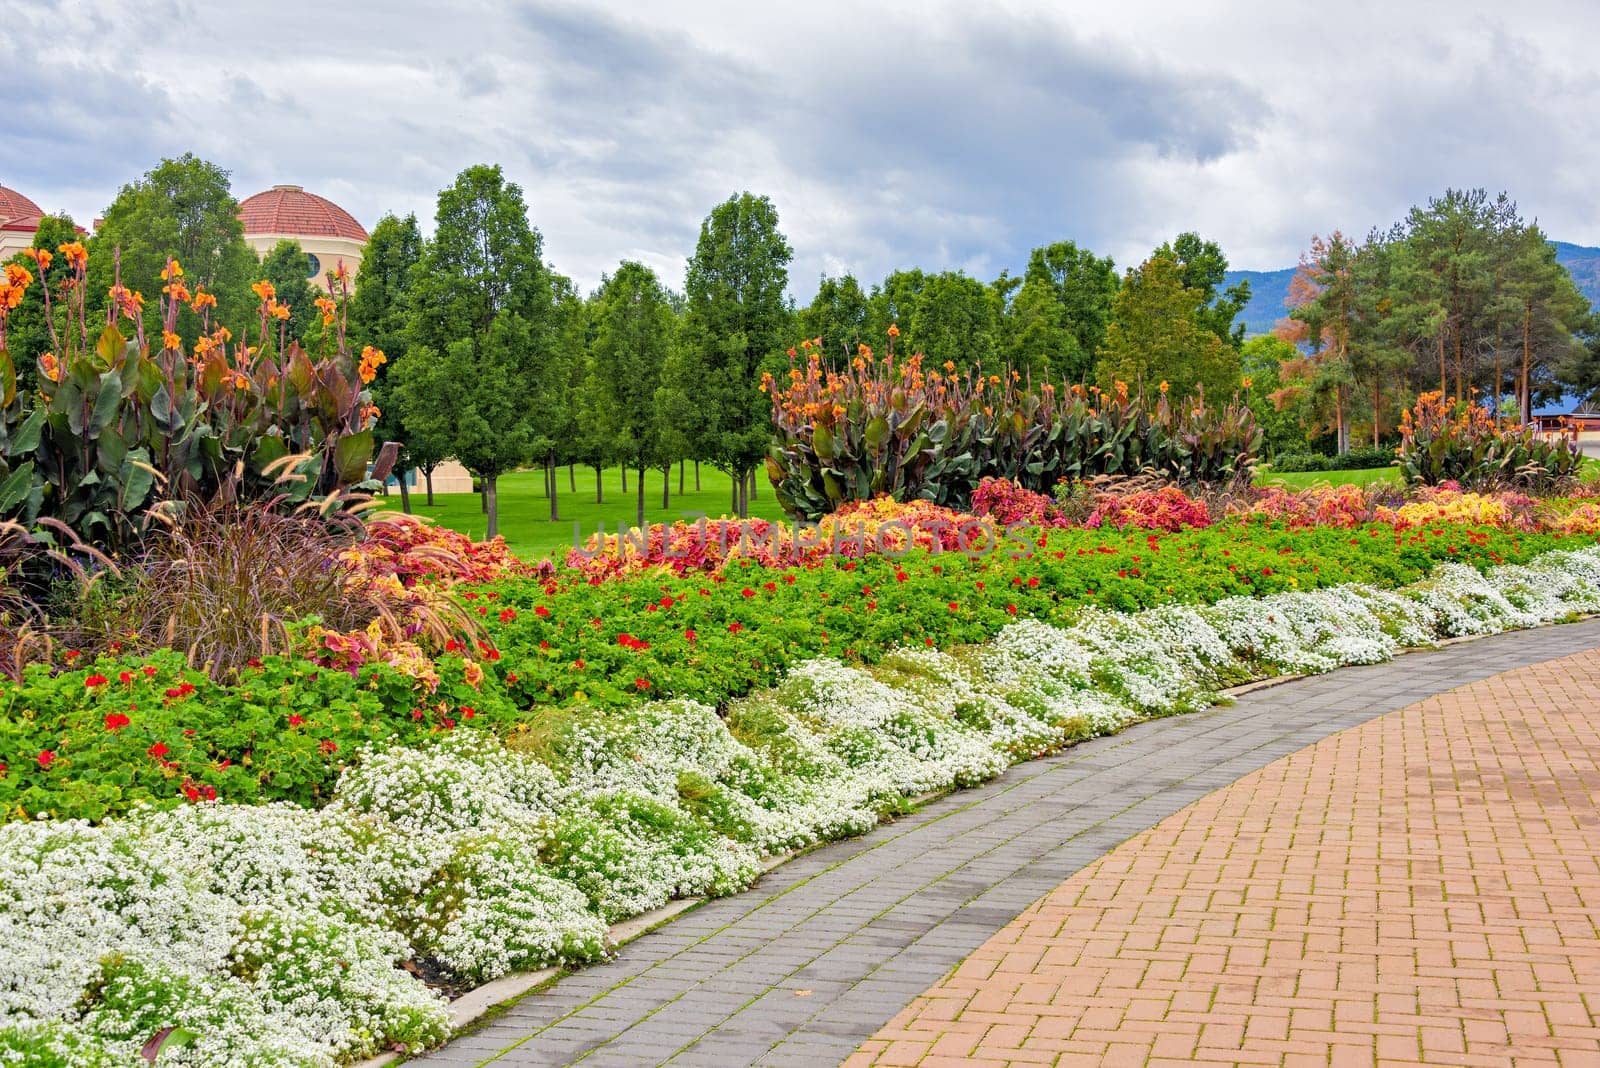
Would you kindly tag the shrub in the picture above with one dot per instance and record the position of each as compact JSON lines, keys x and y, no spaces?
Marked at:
{"x":1361,"y":458}
{"x":1168,"y":508}
{"x":1006,"y":502}
{"x":1448,"y":441}
{"x":879,"y":427}
{"x":228,"y":585}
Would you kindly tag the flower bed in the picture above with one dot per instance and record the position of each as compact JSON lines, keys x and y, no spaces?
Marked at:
{"x":121,"y":731}
{"x":280,"y":924}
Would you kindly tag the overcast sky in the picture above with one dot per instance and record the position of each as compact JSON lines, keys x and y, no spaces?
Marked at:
{"x":888,"y":134}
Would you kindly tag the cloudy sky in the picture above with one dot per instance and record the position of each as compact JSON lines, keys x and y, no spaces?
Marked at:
{"x":888,"y":134}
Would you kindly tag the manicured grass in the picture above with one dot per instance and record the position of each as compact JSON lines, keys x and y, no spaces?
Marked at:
{"x":1298,"y":480}
{"x":525,"y":511}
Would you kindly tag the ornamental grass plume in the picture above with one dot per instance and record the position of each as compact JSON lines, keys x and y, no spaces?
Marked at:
{"x":229,"y":583}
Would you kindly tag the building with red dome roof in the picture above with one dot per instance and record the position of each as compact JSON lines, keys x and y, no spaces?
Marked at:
{"x":328,"y":234}
{"x":19,"y":221}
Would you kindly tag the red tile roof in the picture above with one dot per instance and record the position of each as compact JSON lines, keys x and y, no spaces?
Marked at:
{"x":16,"y":208}
{"x":288,"y":209}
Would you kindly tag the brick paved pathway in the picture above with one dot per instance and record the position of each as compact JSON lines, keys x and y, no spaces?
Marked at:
{"x":1421,"y":889}
{"x":829,"y":947}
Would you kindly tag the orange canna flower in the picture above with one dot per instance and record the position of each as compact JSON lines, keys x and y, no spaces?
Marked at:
{"x":894,"y":330}
{"x":169,"y":340}
{"x":40,"y":256}
{"x":1163,"y":387}
{"x":202,"y":299}
{"x":264,"y":289}
{"x":49,"y":367}
{"x":75,"y":254}
{"x":279,"y":311}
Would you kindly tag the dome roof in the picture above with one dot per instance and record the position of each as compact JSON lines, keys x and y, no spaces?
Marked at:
{"x":289,"y":209}
{"x":18,"y":209}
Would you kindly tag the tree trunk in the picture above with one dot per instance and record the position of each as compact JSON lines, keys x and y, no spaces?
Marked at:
{"x":697,"y":476}
{"x":640,"y":522}
{"x":599,"y":485}
{"x":1527,"y":362}
{"x":405,"y":492}
{"x":483,"y":495}
{"x":755,"y":491}
{"x":427,"y":477}
{"x":491,"y":503}
{"x":1377,"y":410}
{"x":624,"y":478}
{"x":1342,"y":437}
{"x":666,"y":488}
{"x":681,"y":465}
{"x":1444,"y":379}
{"x":572,"y":478}
{"x":555,"y":485}
{"x":1499,"y":381}
{"x":733,"y":489}
{"x":1461,"y":386}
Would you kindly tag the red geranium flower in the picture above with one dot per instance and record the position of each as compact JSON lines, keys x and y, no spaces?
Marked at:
{"x":328,"y":746}
{"x":735,"y":628}
{"x":691,"y":635}
{"x":115,"y":721}
{"x":747,"y":592}
{"x":124,"y":677}
{"x":46,"y":757}
{"x":542,"y":612}
{"x":507,"y":615}
{"x":149,"y":671}
{"x":158,"y":750}
{"x":295,"y":721}
{"x":96,"y":679}
{"x":641,"y":684}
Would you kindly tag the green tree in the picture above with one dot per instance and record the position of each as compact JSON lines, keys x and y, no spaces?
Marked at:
{"x":1204,"y":269}
{"x":1547,"y":315}
{"x":379,"y":315}
{"x":948,"y":317}
{"x":1059,"y":316}
{"x":182,"y":208}
{"x":633,"y":336}
{"x":28,"y":334}
{"x":1283,"y":416}
{"x":838,"y":316}
{"x":1450,"y":248}
{"x":483,"y":332}
{"x":736,"y":322}
{"x":1158,"y":333}
{"x":288,"y":268}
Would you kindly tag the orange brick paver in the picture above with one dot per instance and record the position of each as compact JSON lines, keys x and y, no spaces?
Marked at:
{"x":1422,"y":889}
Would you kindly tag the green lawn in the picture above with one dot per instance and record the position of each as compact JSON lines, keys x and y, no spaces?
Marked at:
{"x":525,"y":511}
{"x":1298,"y":480}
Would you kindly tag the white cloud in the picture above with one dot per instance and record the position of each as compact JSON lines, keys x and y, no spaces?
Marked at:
{"x":888,"y":135}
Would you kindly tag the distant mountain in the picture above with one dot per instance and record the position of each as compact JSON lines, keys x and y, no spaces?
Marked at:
{"x":1268,"y":289}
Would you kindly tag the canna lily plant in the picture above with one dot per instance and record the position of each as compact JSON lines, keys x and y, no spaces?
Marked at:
{"x":131,"y":422}
{"x":898,"y":427}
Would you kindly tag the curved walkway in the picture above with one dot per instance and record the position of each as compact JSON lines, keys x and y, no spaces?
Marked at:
{"x":1424,"y":888}
{"x":829,"y":947}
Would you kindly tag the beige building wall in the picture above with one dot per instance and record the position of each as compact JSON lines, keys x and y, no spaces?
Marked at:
{"x":13,"y":242}
{"x":329,"y":251}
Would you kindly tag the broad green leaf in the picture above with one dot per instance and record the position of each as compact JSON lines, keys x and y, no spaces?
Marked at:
{"x":15,"y":489}
{"x":350,"y":457}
